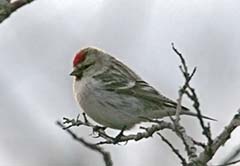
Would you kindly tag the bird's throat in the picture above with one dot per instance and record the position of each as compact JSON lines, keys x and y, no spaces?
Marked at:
{"x":79,"y":71}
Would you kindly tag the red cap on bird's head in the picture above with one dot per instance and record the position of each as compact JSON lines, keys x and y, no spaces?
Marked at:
{"x":79,"y":57}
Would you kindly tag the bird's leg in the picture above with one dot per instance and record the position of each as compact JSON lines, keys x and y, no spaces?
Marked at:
{"x":72,"y":122}
{"x":85,"y":118}
{"x":118,"y":137}
{"x":97,"y":128}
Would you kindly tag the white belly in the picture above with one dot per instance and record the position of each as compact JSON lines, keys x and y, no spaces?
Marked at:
{"x":107,"y":108}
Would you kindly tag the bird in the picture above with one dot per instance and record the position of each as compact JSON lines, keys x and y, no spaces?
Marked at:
{"x":113,"y":95}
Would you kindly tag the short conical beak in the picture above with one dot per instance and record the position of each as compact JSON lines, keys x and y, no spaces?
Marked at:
{"x":76,"y":72}
{"x":73,"y":73}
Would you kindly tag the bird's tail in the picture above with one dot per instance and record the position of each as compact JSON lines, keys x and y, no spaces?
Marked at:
{"x":184,"y":112}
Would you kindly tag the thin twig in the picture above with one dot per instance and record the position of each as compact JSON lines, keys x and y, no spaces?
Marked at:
{"x":186,"y":139}
{"x":200,"y":144}
{"x":219,"y":141}
{"x":196,"y":105}
{"x":159,"y":125}
{"x":192,"y":95}
{"x":106,"y":155}
{"x":180,"y":56}
{"x":8,"y":9}
{"x":176,"y":151}
{"x":180,"y":130}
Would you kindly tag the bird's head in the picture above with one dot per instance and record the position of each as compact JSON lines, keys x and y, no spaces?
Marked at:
{"x":84,"y":60}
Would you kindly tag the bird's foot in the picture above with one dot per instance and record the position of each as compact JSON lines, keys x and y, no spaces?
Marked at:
{"x":117,"y":139}
{"x":97,"y":128}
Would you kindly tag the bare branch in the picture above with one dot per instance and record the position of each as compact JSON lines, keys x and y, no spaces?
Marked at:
{"x":183,"y":62}
{"x":212,"y":145}
{"x":192,"y":95}
{"x":200,"y":144}
{"x":196,"y":105}
{"x":77,"y":122}
{"x":186,"y":139}
{"x":180,"y":130}
{"x":8,"y":8}
{"x":219,"y":141}
{"x":176,"y":151}
{"x":159,"y":125}
{"x":106,"y":155}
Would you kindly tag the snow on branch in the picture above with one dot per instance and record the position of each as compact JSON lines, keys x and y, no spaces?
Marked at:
{"x":219,"y":141}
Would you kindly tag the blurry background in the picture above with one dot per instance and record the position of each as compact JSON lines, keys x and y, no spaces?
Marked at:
{"x":38,"y":42}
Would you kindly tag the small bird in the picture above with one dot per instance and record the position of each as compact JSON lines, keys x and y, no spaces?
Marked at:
{"x":113,"y":95}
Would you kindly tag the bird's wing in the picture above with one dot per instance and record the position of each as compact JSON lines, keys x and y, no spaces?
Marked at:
{"x":123,"y":80}
{"x":144,"y":91}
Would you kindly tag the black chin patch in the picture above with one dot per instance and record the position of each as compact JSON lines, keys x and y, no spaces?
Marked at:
{"x":79,"y":77}
{"x":79,"y":72}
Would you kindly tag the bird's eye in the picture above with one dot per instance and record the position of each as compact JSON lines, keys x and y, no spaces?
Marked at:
{"x":79,"y":57}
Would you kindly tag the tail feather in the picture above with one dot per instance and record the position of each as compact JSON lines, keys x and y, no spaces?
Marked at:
{"x":184,"y":112}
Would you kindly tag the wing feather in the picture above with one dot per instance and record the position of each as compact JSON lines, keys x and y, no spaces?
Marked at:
{"x":121,"y":79}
